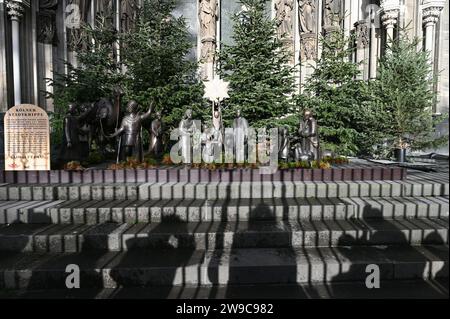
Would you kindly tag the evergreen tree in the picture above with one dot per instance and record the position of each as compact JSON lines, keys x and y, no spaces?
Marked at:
{"x":98,"y":71}
{"x":155,"y":52}
{"x":341,"y":102}
{"x":256,"y":65}
{"x":405,"y":92}
{"x":95,"y":77}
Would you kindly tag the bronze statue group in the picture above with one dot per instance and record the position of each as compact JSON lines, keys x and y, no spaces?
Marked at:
{"x":90,"y":123}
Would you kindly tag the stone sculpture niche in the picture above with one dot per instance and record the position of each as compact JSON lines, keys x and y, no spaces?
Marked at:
{"x":307,"y":17}
{"x":284,"y":11}
{"x":208,"y":15}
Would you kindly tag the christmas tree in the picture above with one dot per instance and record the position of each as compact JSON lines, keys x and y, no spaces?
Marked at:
{"x":96,"y":74}
{"x":155,"y":53}
{"x":342,"y":103}
{"x":257,"y":67}
{"x":98,"y":70}
{"x":405,"y":92}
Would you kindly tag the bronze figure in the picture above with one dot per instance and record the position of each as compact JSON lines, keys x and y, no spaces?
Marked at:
{"x":156,"y":134}
{"x":284,"y":144}
{"x":130,"y":133}
{"x":71,"y":149}
{"x":309,"y":134}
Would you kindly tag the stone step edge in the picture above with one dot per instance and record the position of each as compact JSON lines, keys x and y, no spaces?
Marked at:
{"x":157,"y":211}
{"x":194,"y":175}
{"x":118,"y":237}
{"x":223,"y":191}
{"x":424,"y":289}
{"x":111,"y":270}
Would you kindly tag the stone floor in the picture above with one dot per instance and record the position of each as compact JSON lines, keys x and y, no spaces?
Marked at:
{"x":312,"y":241}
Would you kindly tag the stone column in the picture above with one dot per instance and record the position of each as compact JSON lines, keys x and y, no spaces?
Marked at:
{"x":389,"y":18}
{"x":430,"y":16}
{"x":3,"y":83}
{"x":46,"y":37}
{"x":374,"y":49}
{"x":362,"y":47}
{"x":15,"y":12}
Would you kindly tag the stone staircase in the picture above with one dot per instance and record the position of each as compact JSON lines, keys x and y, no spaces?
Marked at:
{"x":224,"y":237}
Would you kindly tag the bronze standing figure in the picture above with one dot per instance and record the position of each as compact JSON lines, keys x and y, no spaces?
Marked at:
{"x":309,"y":135}
{"x":156,"y":134}
{"x":284,"y":144}
{"x":130,"y":133}
{"x":72,"y":148}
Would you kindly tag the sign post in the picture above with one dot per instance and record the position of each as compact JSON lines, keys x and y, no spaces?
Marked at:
{"x":27,"y":139}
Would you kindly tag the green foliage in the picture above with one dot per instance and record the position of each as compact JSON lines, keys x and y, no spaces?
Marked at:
{"x":405,"y":95}
{"x":97,"y":72}
{"x":256,"y":65}
{"x":155,"y":55}
{"x":341,"y":102}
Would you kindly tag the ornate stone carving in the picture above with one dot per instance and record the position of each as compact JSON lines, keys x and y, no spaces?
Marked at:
{"x":46,"y":24}
{"x":331,"y":13}
{"x":128,"y":14}
{"x":307,"y":16}
{"x":75,"y":39}
{"x":75,"y":34}
{"x":208,"y":13}
{"x":284,"y":16}
{"x":307,"y":47}
{"x":431,"y":15}
{"x":83,"y":7}
{"x":105,"y":8}
{"x":46,"y":28}
{"x":362,"y":34}
{"x":389,"y":18}
{"x":16,"y":8}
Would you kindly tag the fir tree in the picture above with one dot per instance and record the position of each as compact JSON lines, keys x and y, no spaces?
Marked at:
{"x":95,"y":77}
{"x":155,"y":53}
{"x":98,"y":71}
{"x":405,"y":91}
{"x":342,"y":103}
{"x":256,"y":65}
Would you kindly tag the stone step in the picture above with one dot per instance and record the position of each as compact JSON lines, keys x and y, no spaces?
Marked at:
{"x":92,"y":212}
{"x":423,"y":289}
{"x":222,"y":235}
{"x":138,"y":268}
{"x":225,"y":190}
{"x":343,"y":172}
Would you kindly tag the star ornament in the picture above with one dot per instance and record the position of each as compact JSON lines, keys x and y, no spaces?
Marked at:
{"x":216,"y":90}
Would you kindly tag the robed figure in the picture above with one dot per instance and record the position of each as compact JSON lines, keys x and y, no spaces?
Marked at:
{"x":156,"y":134}
{"x":72,"y":148}
{"x":309,"y":135}
{"x":240,"y":127}
{"x":306,"y":14}
{"x":187,"y":129}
